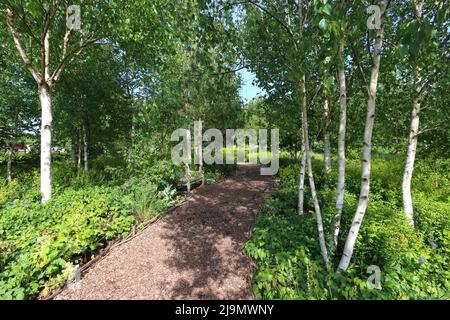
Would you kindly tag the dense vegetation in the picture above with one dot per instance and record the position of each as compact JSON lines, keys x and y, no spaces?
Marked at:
{"x":88,"y":109}
{"x":414,"y":263}
{"x":41,"y":244}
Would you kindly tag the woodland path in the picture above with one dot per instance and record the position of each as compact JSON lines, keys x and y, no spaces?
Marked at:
{"x":194,"y":252}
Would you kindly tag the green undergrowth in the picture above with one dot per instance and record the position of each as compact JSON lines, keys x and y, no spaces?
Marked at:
{"x":41,"y":244}
{"x":414,"y":263}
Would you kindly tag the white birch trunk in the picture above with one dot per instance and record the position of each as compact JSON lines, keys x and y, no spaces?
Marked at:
{"x":410,"y":158}
{"x":412,"y":141}
{"x":301,"y":187}
{"x":198,"y":148}
{"x":301,"y":184}
{"x":188,"y":177}
{"x":9,"y":165}
{"x":367,"y":150}
{"x":341,"y":147}
{"x":86,"y":151}
{"x":79,"y":153}
{"x":187,"y":162}
{"x":46,"y":141}
{"x":326,"y":138}
{"x":323,"y":247}
{"x":45,"y":81}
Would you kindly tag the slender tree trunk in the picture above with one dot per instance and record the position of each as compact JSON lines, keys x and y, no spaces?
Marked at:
{"x":410,"y":158}
{"x":86,"y":151}
{"x":301,"y":184}
{"x":413,"y":135}
{"x":9,"y":165}
{"x":323,"y":247}
{"x":367,"y":150}
{"x":80,"y":142}
{"x":199,"y":151}
{"x":188,"y":177}
{"x":45,"y":98}
{"x":187,"y":163}
{"x":46,"y":141}
{"x":326,"y":138}
{"x":341,"y":147}
{"x":45,"y":81}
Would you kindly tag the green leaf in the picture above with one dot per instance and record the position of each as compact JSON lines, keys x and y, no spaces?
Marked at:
{"x":323,"y":24}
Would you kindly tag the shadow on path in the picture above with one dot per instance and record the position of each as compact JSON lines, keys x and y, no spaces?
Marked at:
{"x":195,"y":252}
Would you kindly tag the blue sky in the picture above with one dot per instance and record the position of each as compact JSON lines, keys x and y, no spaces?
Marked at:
{"x":248,"y":90}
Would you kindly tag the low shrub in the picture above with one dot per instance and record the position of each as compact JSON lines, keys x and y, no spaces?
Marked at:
{"x":38,"y":242}
{"x":146,"y":201}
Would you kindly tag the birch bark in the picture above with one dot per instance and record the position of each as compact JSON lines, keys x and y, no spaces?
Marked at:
{"x":9,"y":165}
{"x":301,"y":184}
{"x":326,"y":138}
{"x":323,"y":247}
{"x":46,"y":141}
{"x":413,"y":135}
{"x":341,"y":146}
{"x":410,"y":158}
{"x":367,"y":149}
{"x":86,"y":151}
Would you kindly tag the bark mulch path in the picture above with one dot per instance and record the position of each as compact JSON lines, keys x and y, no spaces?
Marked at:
{"x":194,"y":252}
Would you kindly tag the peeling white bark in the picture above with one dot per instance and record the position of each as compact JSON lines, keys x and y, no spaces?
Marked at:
{"x":86,"y":152}
{"x":323,"y":247}
{"x":9,"y":165}
{"x":301,"y":184}
{"x":341,"y":147}
{"x":188,"y":177}
{"x":198,"y":141}
{"x":326,"y":138}
{"x":45,"y":80}
{"x":79,"y":153}
{"x":46,"y":141}
{"x":413,"y":135}
{"x":187,"y":161}
{"x":367,"y":151}
{"x":409,"y":165}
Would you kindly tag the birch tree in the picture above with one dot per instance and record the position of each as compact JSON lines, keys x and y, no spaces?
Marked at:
{"x":367,"y":145}
{"x":326,"y":136}
{"x":414,"y":128}
{"x":341,"y":145}
{"x":36,"y":21}
{"x":48,"y":37}
{"x":320,"y":229}
{"x":318,"y":214}
{"x":301,"y":183}
{"x":285,"y":24}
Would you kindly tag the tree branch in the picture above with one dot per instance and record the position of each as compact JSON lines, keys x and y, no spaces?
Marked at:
{"x":356,"y":59}
{"x":23,"y":17}
{"x":278,"y":20}
{"x":21,"y":50}
{"x":437,"y":127}
{"x":67,"y":58}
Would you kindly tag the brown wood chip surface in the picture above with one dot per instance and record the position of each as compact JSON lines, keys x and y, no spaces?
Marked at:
{"x":195,"y":252}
